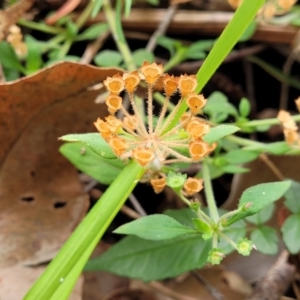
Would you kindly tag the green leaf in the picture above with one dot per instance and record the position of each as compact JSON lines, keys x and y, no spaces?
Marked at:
{"x":219,"y":132}
{"x":9,"y":59}
{"x":218,"y":107}
{"x":244,"y":107}
{"x":10,"y":74}
{"x":97,"y":6}
{"x":292,"y":197}
{"x":249,"y":32}
{"x":183,"y":216}
{"x":155,"y":227}
{"x":140,"y":55}
{"x":263,"y":216}
{"x":94,"y":141}
{"x":259,"y":196}
{"x":87,"y":161}
{"x":240,"y":156}
{"x":203,"y":227}
{"x":92,"y":32}
{"x":265,"y":240}
{"x":168,"y":43}
{"x":34,"y":59}
{"x":126,"y":257}
{"x":276,"y":148}
{"x":108,"y":58}
{"x":291,"y":232}
{"x":234,"y":169}
{"x":72,"y":29}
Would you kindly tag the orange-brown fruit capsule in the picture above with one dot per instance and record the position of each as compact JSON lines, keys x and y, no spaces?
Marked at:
{"x":195,"y":102}
{"x":193,"y":186}
{"x":213,"y":146}
{"x":132,"y":80}
{"x":130,"y":122}
{"x":187,"y":84}
{"x":197,"y":129}
{"x":114,"y":123}
{"x":143,"y":156}
{"x":158,"y":184}
{"x":235,"y":3}
{"x":291,"y":136}
{"x":115,"y":84}
{"x":170,"y":84}
{"x":286,"y":4}
{"x":104,"y":128}
{"x":184,"y":118}
{"x":152,"y":72}
{"x":269,"y":10}
{"x":198,"y":149}
{"x":286,"y":120}
{"x":118,"y":145}
{"x":113,"y":103}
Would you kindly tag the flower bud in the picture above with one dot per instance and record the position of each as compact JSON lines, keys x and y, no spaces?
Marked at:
{"x":143,"y":156}
{"x":158,"y":184}
{"x":115,"y":84}
{"x":193,"y":186}
{"x":244,"y":246}
{"x":215,"y":256}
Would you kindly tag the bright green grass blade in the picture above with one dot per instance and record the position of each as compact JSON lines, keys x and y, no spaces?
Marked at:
{"x":86,"y":235}
{"x":229,"y":37}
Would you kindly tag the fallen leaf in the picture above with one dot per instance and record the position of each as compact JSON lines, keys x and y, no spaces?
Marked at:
{"x":16,"y":281}
{"x":41,"y":200}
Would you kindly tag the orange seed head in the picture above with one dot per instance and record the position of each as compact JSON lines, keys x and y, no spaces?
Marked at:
{"x":113,"y":103}
{"x":143,"y":156}
{"x":152,"y":72}
{"x":170,"y":84}
{"x":193,"y":186}
{"x":115,"y":84}
{"x":132,"y":80}
{"x":195,"y":102}
{"x":187,"y":84}
{"x":118,"y":145}
{"x":158,"y":184}
{"x":198,"y":149}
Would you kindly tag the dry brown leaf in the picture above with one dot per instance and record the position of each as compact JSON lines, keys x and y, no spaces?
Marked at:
{"x":11,"y":15}
{"x":41,"y":200}
{"x":16,"y":281}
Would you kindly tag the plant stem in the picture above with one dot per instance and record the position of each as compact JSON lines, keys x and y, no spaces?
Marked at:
{"x":213,"y":210}
{"x":176,"y":59}
{"x":121,"y":44}
{"x":273,"y":121}
{"x":161,"y":100}
{"x":242,"y":141}
{"x":85,"y":14}
{"x":40,"y":26}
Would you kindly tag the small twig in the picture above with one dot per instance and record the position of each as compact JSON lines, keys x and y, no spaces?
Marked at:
{"x":168,"y":292}
{"x":211,"y":289}
{"x":90,"y":185}
{"x":250,"y":87}
{"x":276,"y":281}
{"x":272,"y":166}
{"x":162,"y":28}
{"x":130,"y":212}
{"x":137,"y":206}
{"x":285,"y":86}
{"x":93,"y":48}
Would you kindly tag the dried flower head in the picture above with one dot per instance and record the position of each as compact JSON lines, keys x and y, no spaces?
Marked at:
{"x":193,"y":186}
{"x":115,"y":85}
{"x":150,"y":144}
{"x":131,"y":80}
{"x":286,"y":4}
{"x":158,"y":184}
{"x":290,"y":129}
{"x":152,"y":72}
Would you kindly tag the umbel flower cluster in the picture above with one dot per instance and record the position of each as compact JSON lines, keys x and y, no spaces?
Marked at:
{"x":148,"y":140}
